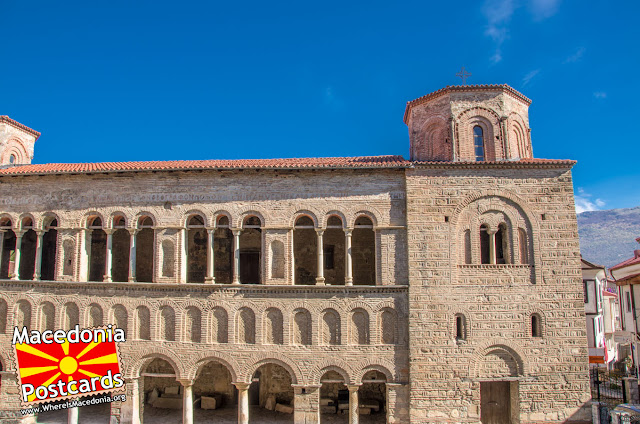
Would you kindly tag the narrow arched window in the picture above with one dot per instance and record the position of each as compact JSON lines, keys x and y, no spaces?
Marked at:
{"x":12,"y":159}
{"x":485,"y":239}
{"x":478,"y":143}
{"x":461,"y":327}
{"x":501,"y":244}
{"x":536,"y":326}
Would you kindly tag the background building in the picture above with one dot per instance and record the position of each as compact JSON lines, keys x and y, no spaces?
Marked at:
{"x":444,"y":288}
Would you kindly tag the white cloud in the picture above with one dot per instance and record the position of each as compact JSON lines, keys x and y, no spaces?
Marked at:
{"x":600,"y":95}
{"x":584,"y":202}
{"x":498,"y":15}
{"x":543,"y":9}
{"x":576,"y":56}
{"x":531,"y":75}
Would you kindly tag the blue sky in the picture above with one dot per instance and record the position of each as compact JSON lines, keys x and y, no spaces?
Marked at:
{"x":121,"y":81}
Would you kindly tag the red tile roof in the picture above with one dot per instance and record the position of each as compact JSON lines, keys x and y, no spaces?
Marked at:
{"x":5,"y":119}
{"x":630,"y":261}
{"x":293,"y":163}
{"x":358,"y":162}
{"x":450,"y":88}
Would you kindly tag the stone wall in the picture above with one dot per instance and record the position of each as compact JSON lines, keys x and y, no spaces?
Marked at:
{"x":497,"y":301}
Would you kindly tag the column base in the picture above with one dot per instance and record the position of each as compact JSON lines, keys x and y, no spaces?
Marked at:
{"x":107,"y":279}
{"x":320,"y":281}
{"x":15,"y":278}
{"x":132,"y":280}
{"x":36,"y":278}
{"x":210,"y":280}
{"x":235,"y":282}
{"x":348,"y":283}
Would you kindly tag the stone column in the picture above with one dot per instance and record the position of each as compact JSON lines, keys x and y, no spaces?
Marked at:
{"x":187,"y":402}
{"x":16,"y":263}
{"x":397,"y":403}
{"x":211,"y":276}
{"x":37,"y":269}
{"x":243,"y":402}
{"x":183,"y":252}
{"x":109,"y":261}
{"x":320,"y":277}
{"x":505,"y":137}
{"x":130,"y":409}
{"x":72,"y":416}
{"x":353,"y":403}
{"x":492,"y":246}
{"x":132,"y":255}
{"x":348,"y":279}
{"x":306,"y":402}
{"x":454,"y":141}
{"x":236,"y":255}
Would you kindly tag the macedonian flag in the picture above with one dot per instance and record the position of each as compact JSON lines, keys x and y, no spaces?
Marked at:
{"x":74,"y":368}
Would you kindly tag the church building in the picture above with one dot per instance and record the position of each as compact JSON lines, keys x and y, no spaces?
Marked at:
{"x":443,"y":288}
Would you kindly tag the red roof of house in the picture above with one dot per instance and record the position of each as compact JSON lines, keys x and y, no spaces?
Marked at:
{"x":7,"y":120}
{"x":630,"y":261}
{"x":450,"y":88}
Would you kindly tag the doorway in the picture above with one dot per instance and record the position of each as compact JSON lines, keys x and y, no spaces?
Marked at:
{"x":499,"y":402}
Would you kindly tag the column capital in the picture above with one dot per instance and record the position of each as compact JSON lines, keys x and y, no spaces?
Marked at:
{"x":186,"y":382}
{"x":236,"y":231}
{"x":133,"y":231}
{"x":491,"y":232}
{"x":109,"y":231}
{"x":348,"y":232}
{"x":319,"y":231}
{"x":241,"y":385}
{"x":210,"y":229}
{"x":39,"y":232}
{"x":353,"y":387}
{"x":19,"y":233}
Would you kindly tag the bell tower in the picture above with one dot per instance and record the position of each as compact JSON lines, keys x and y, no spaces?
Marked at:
{"x":469,"y":123}
{"x":16,"y":142}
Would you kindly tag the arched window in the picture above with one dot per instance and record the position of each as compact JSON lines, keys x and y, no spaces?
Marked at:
{"x":461,"y":327}
{"x":197,"y":245}
{"x":251,"y":251}
{"x":478,"y":143}
{"x":502,"y":249}
{"x":363,"y":252}
{"x":485,"y":240}
{"x":536,"y":326}
{"x":145,"y":250}
{"x":305,"y":251}
{"x":12,"y":159}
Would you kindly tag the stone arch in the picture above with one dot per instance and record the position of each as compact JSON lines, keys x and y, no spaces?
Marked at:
{"x":430,"y":143}
{"x":373,"y":365}
{"x":335,"y":364}
{"x":252,"y":212}
{"x":273,"y":326}
{"x":219,"y":325}
{"x":542,"y":322}
{"x":142,"y":323}
{"x":388,"y":324}
{"x":260,"y":359}
{"x":193,"y":324}
{"x":223,"y":359}
{"x":246,"y":325}
{"x":373,"y":216}
{"x":145,"y":214}
{"x":518,"y":130}
{"x":23,"y":314}
{"x":120,"y":317}
{"x":330,"y":327}
{"x":47,"y":218}
{"x":16,"y":147}
{"x":117,"y":215}
{"x":359,"y":327}
{"x":220,"y":213}
{"x":190,"y":214}
{"x":167,"y":320}
{"x":95,"y":316}
{"x":140,"y":361}
{"x":70,"y":316}
{"x":489,"y":121}
{"x":302,"y":327}
{"x":23,"y":219}
{"x":337,"y":213}
{"x":304,"y":212}
{"x":90,"y":216}
{"x":501,"y":351}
